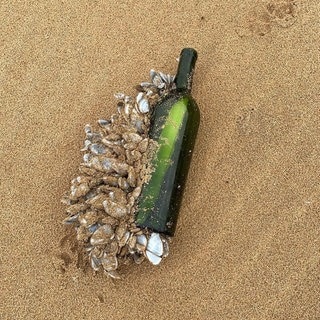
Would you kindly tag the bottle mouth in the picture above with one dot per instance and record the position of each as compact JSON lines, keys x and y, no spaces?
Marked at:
{"x":187,"y":61}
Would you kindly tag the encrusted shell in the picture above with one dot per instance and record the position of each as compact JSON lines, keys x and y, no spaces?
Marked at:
{"x":102,"y":235}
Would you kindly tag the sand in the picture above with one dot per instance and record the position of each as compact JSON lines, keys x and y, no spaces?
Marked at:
{"x":247,"y":242}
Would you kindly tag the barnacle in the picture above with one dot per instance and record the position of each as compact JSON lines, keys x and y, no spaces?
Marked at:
{"x":101,"y":203}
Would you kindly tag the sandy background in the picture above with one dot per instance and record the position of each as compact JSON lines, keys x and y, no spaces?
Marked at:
{"x":247,"y":243}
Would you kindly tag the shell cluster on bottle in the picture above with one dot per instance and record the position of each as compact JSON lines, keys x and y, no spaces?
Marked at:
{"x":102,"y":200}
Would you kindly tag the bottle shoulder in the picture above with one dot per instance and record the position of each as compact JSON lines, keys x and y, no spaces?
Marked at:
{"x":171,"y":99}
{"x":174,"y":106}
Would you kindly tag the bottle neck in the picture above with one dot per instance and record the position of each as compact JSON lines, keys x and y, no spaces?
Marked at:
{"x":187,"y":61}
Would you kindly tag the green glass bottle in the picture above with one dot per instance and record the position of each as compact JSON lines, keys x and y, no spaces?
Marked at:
{"x":174,"y":125}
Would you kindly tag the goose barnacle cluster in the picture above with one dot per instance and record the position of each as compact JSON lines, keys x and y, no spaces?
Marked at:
{"x":102,"y":200}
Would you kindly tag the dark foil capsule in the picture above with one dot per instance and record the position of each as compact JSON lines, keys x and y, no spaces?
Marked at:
{"x":174,"y":125}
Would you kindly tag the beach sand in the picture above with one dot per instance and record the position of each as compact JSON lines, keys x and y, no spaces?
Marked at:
{"x":247,"y":242}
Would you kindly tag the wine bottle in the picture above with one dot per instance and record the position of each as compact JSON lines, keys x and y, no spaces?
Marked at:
{"x":174,"y":125}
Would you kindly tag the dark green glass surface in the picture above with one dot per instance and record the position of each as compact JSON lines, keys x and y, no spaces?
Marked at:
{"x":174,"y":126}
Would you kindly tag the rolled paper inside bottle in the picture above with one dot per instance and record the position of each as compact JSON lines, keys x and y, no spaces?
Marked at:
{"x":174,"y":127}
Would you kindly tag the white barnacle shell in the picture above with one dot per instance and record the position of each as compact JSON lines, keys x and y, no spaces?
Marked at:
{"x":153,"y":258}
{"x":143,"y":145}
{"x":97,"y":149}
{"x":72,"y":219}
{"x":87,"y":157}
{"x":143,"y":103}
{"x":132,"y":137}
{"x":142,"y":239}
{"x":153,"y":73}
{"x":113,"y":274}
{"x":128,"y":106}
{"x":163,"y":77}
{"x":92,"y":193}
{"x":146,"y":84}
{"x":123,"y":184}
{"x":79,"y":191}
{"x":86,"y":145}
{"x":138,"y":123}
{"x":136,"y":192}
{"x":96,"y":202}
{"x":102,"y":235}
{"x":115,"y":210}
{"x":109,"y":262}
{"x":87,"y":129}
{"x":119,"y":96}
{"x":93,"y":227}
{"x":155,"y":244}
{"x":121,"y":230}
{"x":89,"y":218}
{"x":154,"y":249}
{"x":123,"y":241}
{"x":156,"y":79}
{"x":128,"y":99}
{"x":120,"y":167}
{"x":76,"y":208}
{"x":103,"y":122}
{"x":150,"y":94}
{"x":132,"y":241}
{"x":94,"y":261}
{"x":107,"y":164}
{"x":131,"y":179}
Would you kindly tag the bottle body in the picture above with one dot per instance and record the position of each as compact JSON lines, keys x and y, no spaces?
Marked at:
{"x":174,"y":127}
